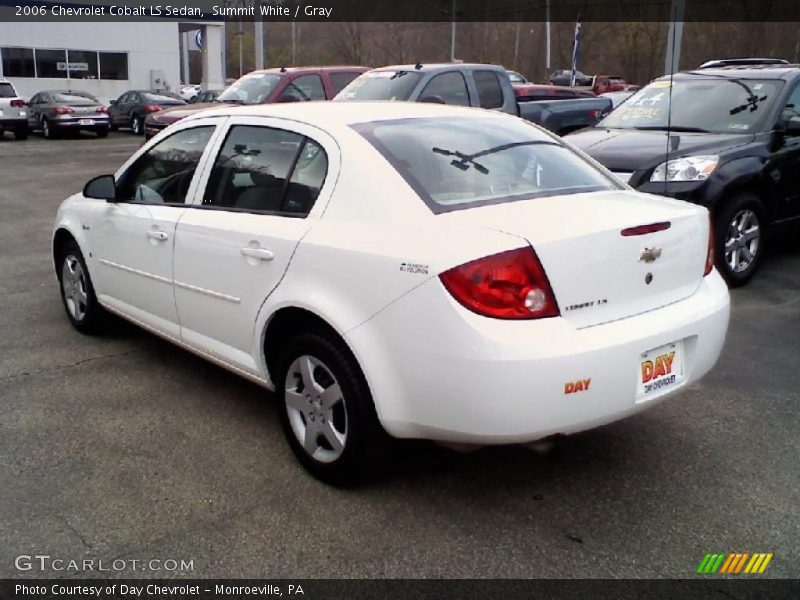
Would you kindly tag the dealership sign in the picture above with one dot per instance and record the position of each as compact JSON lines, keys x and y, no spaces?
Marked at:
{"x":73,"y":66}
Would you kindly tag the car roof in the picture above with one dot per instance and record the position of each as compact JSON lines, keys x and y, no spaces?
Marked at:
{"x":310,"y":69}
{"x":426,"y":68}
{"x":786,"y":72}
{"x":327,"y":114}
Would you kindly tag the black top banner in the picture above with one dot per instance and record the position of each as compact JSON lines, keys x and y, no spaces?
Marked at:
{"x":404,"y":11}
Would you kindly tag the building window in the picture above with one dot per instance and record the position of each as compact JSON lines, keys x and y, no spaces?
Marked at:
{"x":113,"y":65}
{"x":18,"y":62}
{"x":82,"y":64}
{"x":51,"y":63}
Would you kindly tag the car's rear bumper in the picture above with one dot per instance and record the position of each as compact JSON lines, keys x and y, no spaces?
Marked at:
{"x":14,"y":122}
{"x":438,"y":371}
{"x":81,"y":123}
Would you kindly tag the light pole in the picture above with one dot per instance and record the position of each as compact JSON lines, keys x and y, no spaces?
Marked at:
{"x":453,"y":33}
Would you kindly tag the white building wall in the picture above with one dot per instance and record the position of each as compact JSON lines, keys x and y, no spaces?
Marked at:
{"x":150,"y":46}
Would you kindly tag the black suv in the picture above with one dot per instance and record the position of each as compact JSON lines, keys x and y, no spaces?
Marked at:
{"x":733,"y":146}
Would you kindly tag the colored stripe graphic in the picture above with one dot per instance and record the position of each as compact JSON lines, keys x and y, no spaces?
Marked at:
{"x":732,"y":563}
{"x":738,"y":567}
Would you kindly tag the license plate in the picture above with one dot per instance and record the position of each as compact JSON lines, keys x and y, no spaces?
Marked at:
{"x":86,"y":122}
{"x":660,"y":369}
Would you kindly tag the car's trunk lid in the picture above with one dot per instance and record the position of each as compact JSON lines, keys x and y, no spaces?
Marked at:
{"x":597,"y":273}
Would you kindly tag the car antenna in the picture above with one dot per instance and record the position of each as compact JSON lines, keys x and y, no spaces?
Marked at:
{"x":283,"y":69}
{"x":418,"y":66}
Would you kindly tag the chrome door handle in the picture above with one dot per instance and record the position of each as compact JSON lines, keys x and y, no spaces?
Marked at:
{"x":259,"y":253}
{"x":155,"y":234}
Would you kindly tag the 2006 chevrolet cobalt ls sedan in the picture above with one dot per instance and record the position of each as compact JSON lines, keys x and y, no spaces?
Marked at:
{"x":419,"y":270}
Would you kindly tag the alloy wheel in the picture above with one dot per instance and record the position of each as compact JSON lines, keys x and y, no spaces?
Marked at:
{"x":315,"y":406}
{"x":742,"y":240}
{"x":73,"y":282}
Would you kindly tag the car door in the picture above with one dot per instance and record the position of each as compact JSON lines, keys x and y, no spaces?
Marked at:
{"x":785,"y":164}
{"x":133,"y":236}
{"x":256,"y":201}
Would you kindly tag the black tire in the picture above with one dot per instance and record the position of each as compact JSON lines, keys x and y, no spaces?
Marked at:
{"x":47,"y":131}
{"x":137,"y":125}
{"x":101,"y":133}
{"x":21,"y":133}
{"x":91,"y":321}
{"x":111,"y":125}
{"x":365,"y":441}
{"x":726,"y":220}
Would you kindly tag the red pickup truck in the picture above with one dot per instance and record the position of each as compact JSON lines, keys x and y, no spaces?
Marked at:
{"x":295,"y":84}
{"x":602,"y":84}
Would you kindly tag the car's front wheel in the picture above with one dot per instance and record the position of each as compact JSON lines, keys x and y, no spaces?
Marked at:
{"x":137,"y":125}
{"x":77,"y":292}
{"x":327,"y":411}
{"x":740,"y":238}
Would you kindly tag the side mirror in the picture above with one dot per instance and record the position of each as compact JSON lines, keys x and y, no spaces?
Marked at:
{"x":113,"y":102}
{"x":791,"y":126}
{"x":101,"y":188}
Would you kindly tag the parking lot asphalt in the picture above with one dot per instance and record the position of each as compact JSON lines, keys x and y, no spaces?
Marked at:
{"x":124,"y":447}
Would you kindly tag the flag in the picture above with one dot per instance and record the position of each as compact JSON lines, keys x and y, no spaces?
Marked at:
{"x":576,"y":42}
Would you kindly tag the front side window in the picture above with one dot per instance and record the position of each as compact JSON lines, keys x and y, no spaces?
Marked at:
{"x":162,"y":175}
{"x":262,"y":169}
{"x":792,"y":108}
{"x":449,"y":88}
{"x":340,"y":79}
{"x":699,"y":104}
{"x":307,"y":87}
{"x":490,"y":94}
{"x":461,"y":163}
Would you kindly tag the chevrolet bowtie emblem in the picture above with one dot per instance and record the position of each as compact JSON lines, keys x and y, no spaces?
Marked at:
{"x":650,"y":254}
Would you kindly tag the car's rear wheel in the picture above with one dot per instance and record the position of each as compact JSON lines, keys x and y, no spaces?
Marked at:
{"x":47,"y":130}
{"x":21,"y":133}
{"x":101,"y":133}
{"x":137,"y":125}
{"x":327,"y":411}
{"x":77,"y":292}
{"x":739,"y":238}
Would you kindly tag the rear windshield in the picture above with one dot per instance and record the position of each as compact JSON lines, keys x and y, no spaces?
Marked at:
{"x":7,"y":91}
{"x":381,"y":85}
{"x":74,"y":98}
{"x":457,"y":163}
{"x":162,"y":99}
{"x":251,"y":89}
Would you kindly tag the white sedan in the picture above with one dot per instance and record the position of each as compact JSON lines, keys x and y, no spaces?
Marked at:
{"x":415,"y":270}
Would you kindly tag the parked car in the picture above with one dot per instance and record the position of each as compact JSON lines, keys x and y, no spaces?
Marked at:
{"x":190,"y":92}
{"x":603,"y":84}
{"x":59,"y":111}
{"x":485,"y":86}
{"x":742,"y":62}
{"x":207,"y":96}
{"x":131,"y":108}
{"x":731,"y":142}
{"x":503,"y":289}
{"x":564,"y":77}
{"x":516,"y":78}
{"x":13,"y":111}
{"x":295,"y":84}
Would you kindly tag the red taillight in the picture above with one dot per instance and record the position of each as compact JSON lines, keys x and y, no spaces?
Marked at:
{"x":710,"y":253}
{"x":645,"y":229}
{"x":595,"y":114}
{"x":62,"y":110}
{"x":102,"y":109}
{"x":151,"y":108}
{"x":509,"y":285}
{"x":18,"y":103}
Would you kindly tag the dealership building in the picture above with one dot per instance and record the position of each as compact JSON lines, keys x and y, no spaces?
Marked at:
{"x":109,"y":58}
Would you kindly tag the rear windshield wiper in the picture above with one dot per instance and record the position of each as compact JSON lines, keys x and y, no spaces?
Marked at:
{"x":464,"y":160}
{"x":678,"y":128}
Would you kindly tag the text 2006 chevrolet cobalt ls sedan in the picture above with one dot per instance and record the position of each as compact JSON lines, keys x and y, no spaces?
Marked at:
{"x":421,"y":271}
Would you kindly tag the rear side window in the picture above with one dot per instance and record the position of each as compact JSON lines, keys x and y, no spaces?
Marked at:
{"x":162,"y":175}
{"x":490,"y":94}
{"x":450,"y":88}
{"x":306,"y":87}
{"x":461,"y":163}
{"x":7,"y":91}
{"x":340,"y":79}
{"x":261,"y":169}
